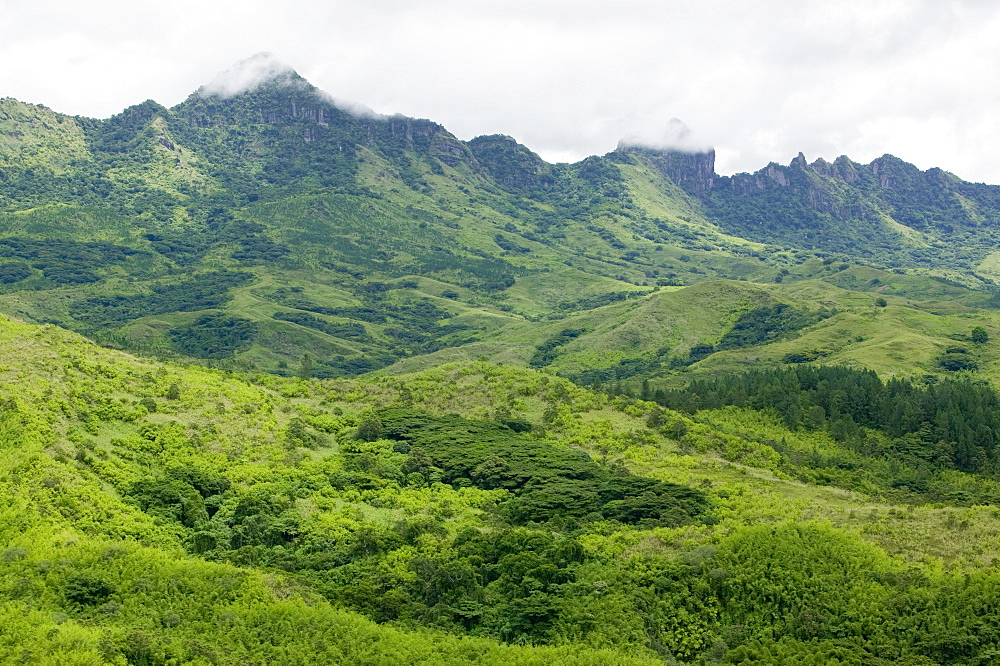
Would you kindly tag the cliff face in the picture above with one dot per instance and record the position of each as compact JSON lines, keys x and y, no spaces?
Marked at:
{"x":693,"y":171}
{"x":838,"y":206}
{"x":864,"y":209}
{"x":508,"y":162}
{"x":848,"y":190}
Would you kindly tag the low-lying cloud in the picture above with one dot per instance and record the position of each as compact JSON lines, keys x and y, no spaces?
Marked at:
{"x":247,"y":75}
{"x":675,"y":136}
{"x":265,"y":67}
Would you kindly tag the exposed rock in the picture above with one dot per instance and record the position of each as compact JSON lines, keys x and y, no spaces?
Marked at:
{"x":451,"y":151}
{"x":822,"y":167}
{"x":694,"y":172}
{"x":845,"y":169}
{"x":776,"y":173}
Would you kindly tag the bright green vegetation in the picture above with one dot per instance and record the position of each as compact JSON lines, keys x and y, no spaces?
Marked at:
{"x":159,"y":513}
{"x":447,"y":403}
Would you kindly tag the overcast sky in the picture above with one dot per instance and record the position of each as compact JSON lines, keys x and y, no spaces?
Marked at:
{"x":760,"y":81}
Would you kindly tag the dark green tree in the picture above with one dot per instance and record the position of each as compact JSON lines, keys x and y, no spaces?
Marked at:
{"x":305,"y":367}
{"x":370,"y":427}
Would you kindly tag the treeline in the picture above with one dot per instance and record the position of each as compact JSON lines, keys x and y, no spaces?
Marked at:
{"x":954,"y":423}
{"x":62,"y":261}
{"x":408,"y":326}
{"x":202,"y":291}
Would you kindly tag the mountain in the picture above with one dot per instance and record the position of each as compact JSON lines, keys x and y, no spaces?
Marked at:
{"x":887,"y":211}
{"x":260,"y":222}
{"x":356,"y":391}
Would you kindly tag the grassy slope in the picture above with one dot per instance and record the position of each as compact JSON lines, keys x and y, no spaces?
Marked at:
{"x":34,"y":136}
{"x":74,"y":432}
{"x":747,"y":480}
{"x":904,"y":338}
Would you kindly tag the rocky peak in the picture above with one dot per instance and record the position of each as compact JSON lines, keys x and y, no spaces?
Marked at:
{"x":776,"y":172}
{"x":508,"y":162}
{"x":891,"y":171}
{"x":845,"y":169}
{"x":693,"y":171}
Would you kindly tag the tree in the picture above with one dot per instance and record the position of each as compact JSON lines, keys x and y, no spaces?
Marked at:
{"x":979,"y":335}
{"x":955,"y":359}
{"x":306,"y":367}
{"x":418,"y":461}
{"x":493,"y":472}
{"x":370,"y":427}
{"x":173,"y":392}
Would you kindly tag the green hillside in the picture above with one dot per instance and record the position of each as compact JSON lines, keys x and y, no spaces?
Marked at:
{"x":258,"y":230}
{"x":159,"y":513}
{"x":400,"y":239}
{"x":667,"y":338}
{"x":285,"y":382}
{"x":396,"y":232}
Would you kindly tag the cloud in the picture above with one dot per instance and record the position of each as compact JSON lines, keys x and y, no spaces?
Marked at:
{"x":675,"y":136}
{"x":265,"y":67}
{"x":247,"y":75}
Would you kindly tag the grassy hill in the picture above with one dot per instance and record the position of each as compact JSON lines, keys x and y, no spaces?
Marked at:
{"x":671,"y":336}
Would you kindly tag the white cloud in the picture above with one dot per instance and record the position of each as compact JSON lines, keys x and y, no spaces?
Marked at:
{"x":246,"y":75}
{"x":675,"y":135}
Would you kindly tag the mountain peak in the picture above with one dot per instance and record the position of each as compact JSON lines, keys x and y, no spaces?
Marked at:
{"x":248,"y":74}
{"x":691,"y":168}
{"x":675,"y":137}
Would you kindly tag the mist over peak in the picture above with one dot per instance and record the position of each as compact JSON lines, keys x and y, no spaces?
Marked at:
{"x":248,"y":74}
{"x":676,"y":136}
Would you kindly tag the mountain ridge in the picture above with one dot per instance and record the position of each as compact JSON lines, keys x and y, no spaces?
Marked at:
{"x":402,"y":239}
